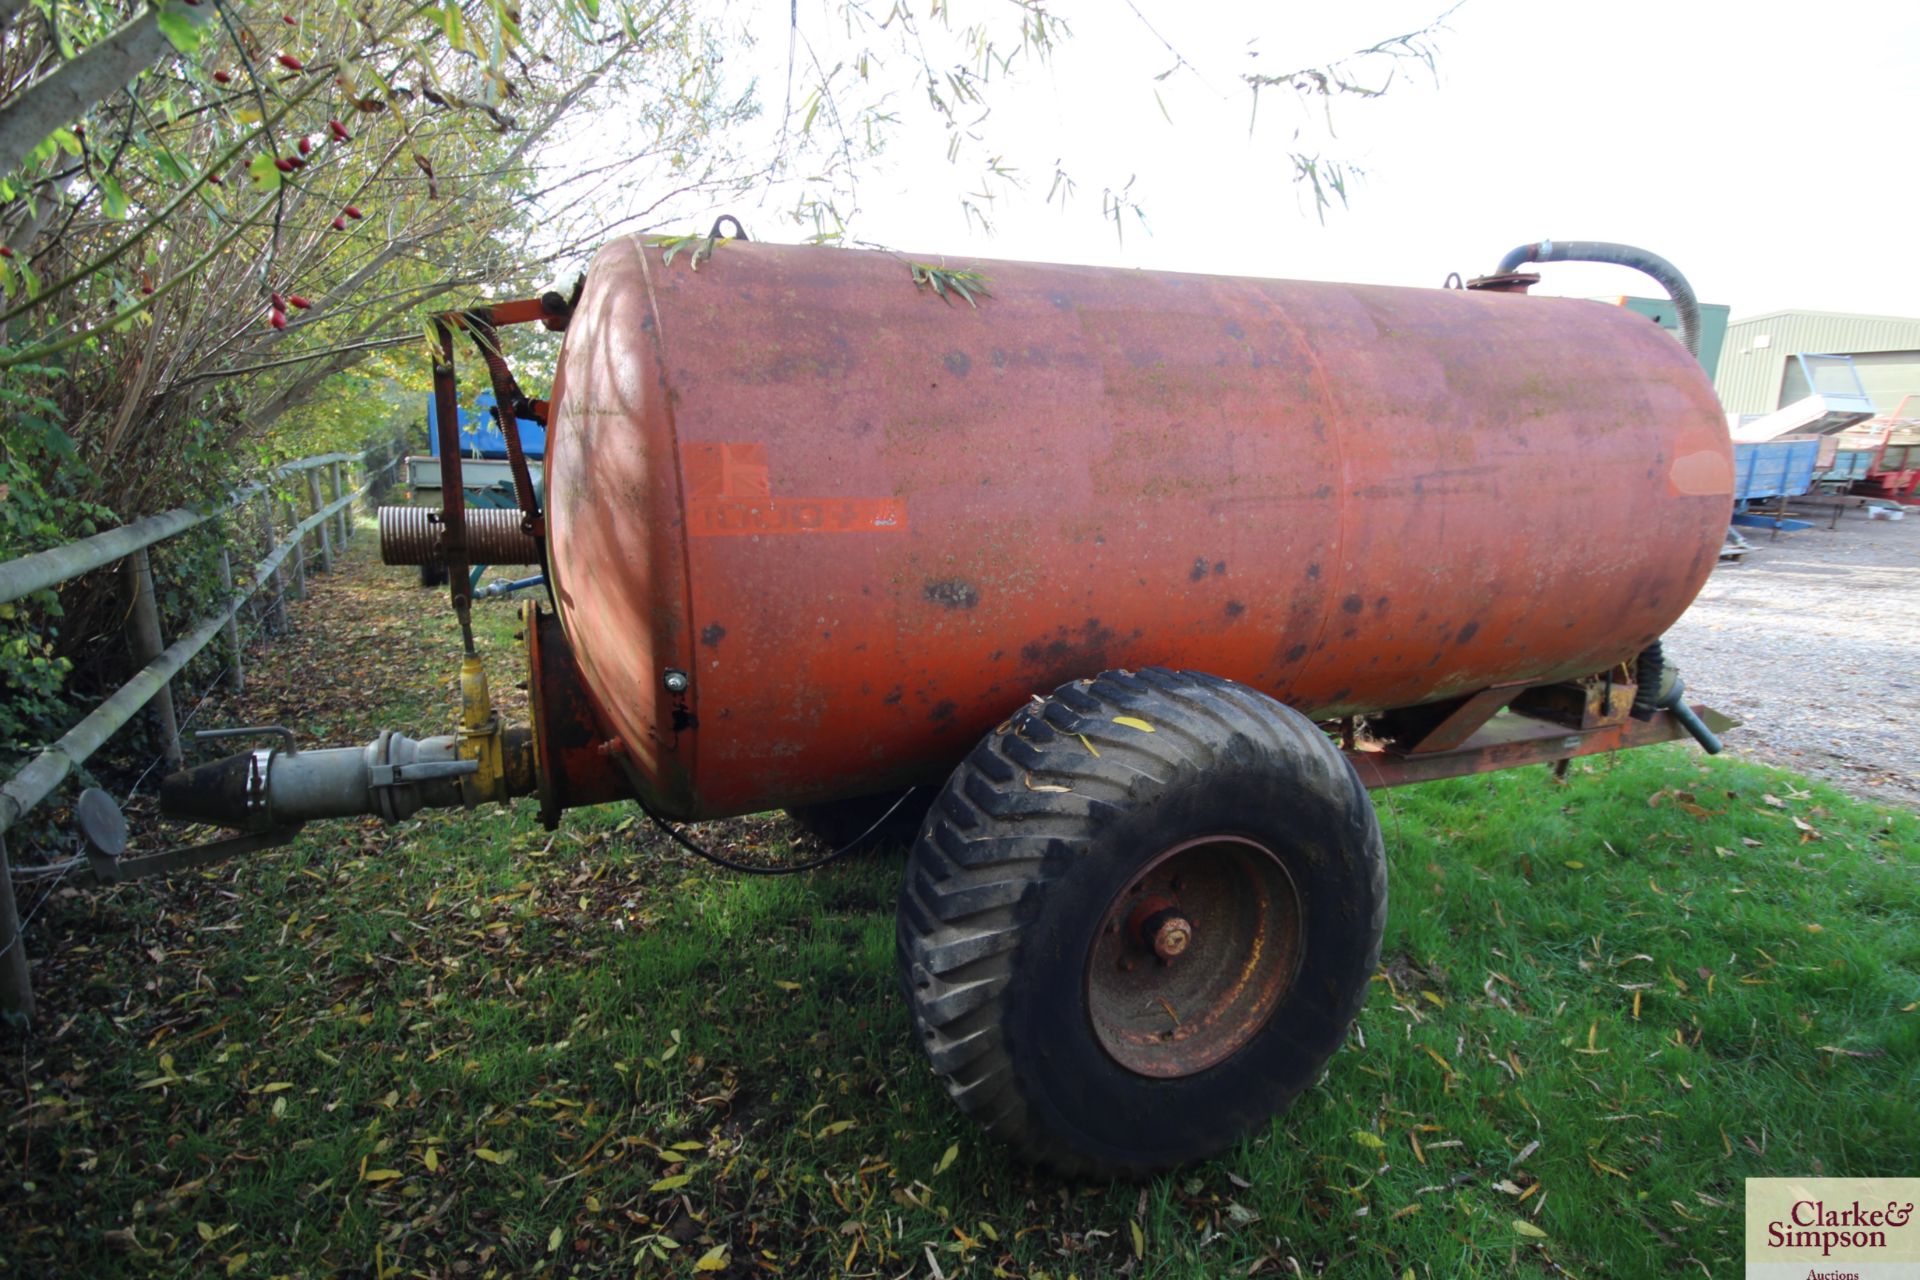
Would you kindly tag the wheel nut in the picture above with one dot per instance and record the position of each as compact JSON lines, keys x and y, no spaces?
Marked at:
{"x":1172,"y":937}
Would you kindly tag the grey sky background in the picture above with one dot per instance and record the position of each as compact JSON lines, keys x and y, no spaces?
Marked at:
{"x":1770,"y":150}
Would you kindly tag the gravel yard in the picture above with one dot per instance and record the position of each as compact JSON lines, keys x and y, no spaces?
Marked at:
{"x":1813,"y":642}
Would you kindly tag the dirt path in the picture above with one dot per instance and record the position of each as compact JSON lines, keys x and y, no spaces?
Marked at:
{"x":1814,"y":643}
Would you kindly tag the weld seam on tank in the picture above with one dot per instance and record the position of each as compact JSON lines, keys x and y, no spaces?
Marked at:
{"x":410,"y":535}
{"x":1686,"y":305}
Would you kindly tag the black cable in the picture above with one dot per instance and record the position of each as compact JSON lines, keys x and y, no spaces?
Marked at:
{"x":673,"y":833}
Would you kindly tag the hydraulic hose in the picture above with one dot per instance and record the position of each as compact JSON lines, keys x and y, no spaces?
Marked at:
{"x":1686,"y":306}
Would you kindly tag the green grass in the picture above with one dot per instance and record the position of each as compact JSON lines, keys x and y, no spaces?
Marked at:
{"x":466,"y":1046}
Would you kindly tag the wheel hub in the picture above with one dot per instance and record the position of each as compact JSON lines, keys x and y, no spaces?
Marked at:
{"x":1193,"y":956}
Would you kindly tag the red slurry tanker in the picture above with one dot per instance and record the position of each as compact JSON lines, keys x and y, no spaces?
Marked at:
{"x":1125,"y":586}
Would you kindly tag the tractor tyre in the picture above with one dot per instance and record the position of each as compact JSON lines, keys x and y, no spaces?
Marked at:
{"x":1139,"y":919}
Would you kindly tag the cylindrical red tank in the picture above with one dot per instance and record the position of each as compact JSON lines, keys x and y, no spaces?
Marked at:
{"x":859,"y":523}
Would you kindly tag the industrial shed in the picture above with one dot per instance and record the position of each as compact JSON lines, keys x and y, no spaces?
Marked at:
{"x":1756,"y":373}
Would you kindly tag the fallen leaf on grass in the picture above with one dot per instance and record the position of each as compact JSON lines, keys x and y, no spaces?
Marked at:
{"x":1366,"y":1139}
{"x":946,"y":1159}
{"x":1522,"y":1227}
{"x":491,"y":1156}
{"x":381,"y":1175}
{"x":674,"y":1183}
{"x":714,"y":1259}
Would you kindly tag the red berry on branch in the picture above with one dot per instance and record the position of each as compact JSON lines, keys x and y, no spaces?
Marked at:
{"x":5,"y":252}
{"x":79,"y":128}
{"x":214,"y":178}
{"x":283,"y":164}
{"x":221,"y":77}
{"x":296,"y":162}
{"x":278,"y":319}
{"x":339,"y":224}
{"x":290,"y":62}
{"x":299,"y":301}
{"x":339,"y":131}
{"x":306,"y":145}
{"x":353,"y":211}
{"x":279,"y":303}
{"x":289,"y":20}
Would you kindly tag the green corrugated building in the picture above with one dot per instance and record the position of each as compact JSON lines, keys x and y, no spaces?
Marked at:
{"x":1756,"y":373}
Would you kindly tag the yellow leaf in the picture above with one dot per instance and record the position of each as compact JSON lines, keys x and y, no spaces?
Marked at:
{"x":553,"y":1241}
{"x":714,"y":1259}
{"x":946,"y":1159}
{"x":1134,"y":722}
{"x":1366,"y":1139}
{"x":786,"y":986}
{"x":381,"y":1175}
{"x":1525,"y":1228}
{"x":432,"y":1160}
{"x":205,"y":1232}
{"x":674,"y":1183}
{"x":236,"y":1262}
{"x":836,"y":1128}
{"x":689,"y":1146}
{"x":1139,"y":1236}
{"x":1434,"y":999}
{"x":278,"y":1086}
{"x":491,"y":1156}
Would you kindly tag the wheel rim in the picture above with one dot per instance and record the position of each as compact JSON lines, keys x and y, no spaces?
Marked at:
{"x":1193,"y":956}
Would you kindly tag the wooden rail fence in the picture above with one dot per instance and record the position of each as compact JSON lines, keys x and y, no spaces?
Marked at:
{"x":325,"y":524}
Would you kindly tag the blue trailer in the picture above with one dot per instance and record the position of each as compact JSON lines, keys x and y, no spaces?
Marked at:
{"x":1776,"y":469}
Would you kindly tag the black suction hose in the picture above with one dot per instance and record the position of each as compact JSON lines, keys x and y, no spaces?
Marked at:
{"x":1685,"y":304}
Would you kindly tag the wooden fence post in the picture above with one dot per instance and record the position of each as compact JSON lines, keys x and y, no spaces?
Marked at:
{"x":326,"y":526}
{"x":147,"y":645}
{"x":299,"y":553}
{"x":236,"y":674}
{"x":16,"y":984}
{"x":346,"y":513}
{"x":277,"y":607}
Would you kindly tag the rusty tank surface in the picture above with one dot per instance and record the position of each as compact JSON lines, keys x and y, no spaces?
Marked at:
{"x":863,"y":523}
{"x":1111,"y":593}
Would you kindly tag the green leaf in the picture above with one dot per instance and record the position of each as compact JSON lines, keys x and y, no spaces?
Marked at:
{"x":113,"y":197}
{"x":180,"y":30}
{"x":68,"y":140}
{"x":946,"y":1159}
{"x":674,"y":1183}
{"x":43,"y":153}
{"x":264,"y":174}
{"x":171,"y":169}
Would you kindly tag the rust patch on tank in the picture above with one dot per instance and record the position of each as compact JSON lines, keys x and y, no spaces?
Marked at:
{"x":953,"y":593}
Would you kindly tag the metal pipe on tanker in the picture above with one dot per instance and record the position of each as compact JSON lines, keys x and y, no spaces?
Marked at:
{"x":1685,"y":304}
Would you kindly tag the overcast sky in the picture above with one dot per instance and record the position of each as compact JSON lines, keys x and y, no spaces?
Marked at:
{"x":1770,"y":150}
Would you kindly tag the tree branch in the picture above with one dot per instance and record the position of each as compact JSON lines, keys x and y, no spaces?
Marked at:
{"x":66,"y":93}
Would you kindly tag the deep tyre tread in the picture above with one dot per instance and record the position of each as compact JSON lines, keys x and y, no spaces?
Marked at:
{"x":1010,"y":875}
